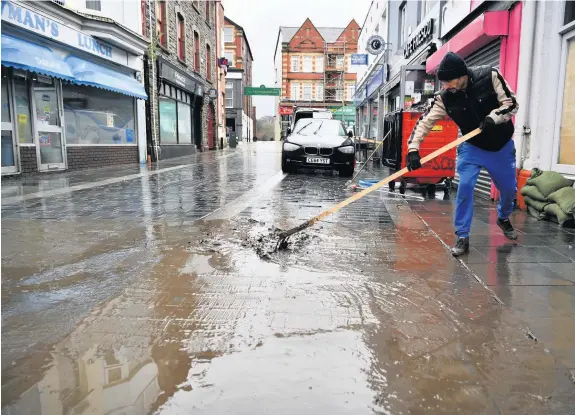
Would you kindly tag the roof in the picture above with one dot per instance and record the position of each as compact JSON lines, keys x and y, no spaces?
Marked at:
{"x":329,"y":34}
{"x":243,"y":33}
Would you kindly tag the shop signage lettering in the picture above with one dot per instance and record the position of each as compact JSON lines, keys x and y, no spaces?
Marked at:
{"x":27,"y":19}
{"x":420,"y":37}
{"x":177,"y":78}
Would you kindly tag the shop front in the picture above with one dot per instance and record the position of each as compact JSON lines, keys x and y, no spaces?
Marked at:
{"x":285,"y":113}
{"x":69,"y":100}
{"x":180,"y":103}
{"x":491,"y":38}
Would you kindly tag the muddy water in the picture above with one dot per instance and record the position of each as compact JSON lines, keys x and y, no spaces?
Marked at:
{"x":365,"y":313}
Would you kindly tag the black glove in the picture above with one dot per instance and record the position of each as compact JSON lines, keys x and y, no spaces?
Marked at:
{"x":487,"y":124}
{"x":413,"y":161}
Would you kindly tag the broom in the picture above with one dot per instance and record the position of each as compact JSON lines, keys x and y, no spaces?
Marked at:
{"x":283,"y":236}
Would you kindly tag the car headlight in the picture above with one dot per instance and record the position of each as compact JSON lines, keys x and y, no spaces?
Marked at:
{"x":290,"y":147}
{"x":346,"y":149}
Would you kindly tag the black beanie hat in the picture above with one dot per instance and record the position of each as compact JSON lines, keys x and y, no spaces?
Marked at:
{"x":451,"y":67}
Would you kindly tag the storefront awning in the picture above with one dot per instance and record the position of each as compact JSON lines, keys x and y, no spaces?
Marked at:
{"x":21,"y":54}
{"x":91,"y":74}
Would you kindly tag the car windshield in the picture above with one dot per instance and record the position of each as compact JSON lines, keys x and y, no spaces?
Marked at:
{"x":320,"y":127}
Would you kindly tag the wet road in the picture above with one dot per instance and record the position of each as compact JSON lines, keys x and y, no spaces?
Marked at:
{"x":134,"y":291}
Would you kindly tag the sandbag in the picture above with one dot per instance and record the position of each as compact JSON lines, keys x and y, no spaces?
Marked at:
{"x":533,"y":193}
{"x":536,"y":204}
{"x":565,"y":198}
{"x":555,"y":212}
{"x":549,"y":182}
{"x":536,"y":214}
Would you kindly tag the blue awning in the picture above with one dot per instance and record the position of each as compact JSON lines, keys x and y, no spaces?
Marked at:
{"x":21,"y":54}
{"x":88,"y":73}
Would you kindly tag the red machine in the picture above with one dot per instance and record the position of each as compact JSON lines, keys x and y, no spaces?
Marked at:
{"x":440,"y":169}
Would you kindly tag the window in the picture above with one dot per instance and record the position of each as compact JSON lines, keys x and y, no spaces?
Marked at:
{"x":339,"y":95}
{"x":569,"y":12}
{"x":97,"y":116}
{"x":350,"y":92}
{"x":319,"y":92}
{"x":319,"y":64}
{"x":402,"y":24}
{"x":208,"y":63}
{"x":228,"y":34}
{"x":175,"y":116}
{"x":94,"y":5}
{"x":197,"y":52}
{"x":22,"y":109}
{"x":295,"y":63}
{"x":207,"y":11}
{"x":144,"y":18}
{"x":230,"y":57}
{"x":307,"y":92}
{"x":307,"y":63}
{"x":184,"y":123}
{"x":339,"y":62}
{"x":181,"y":38}
{"x":565,"y":141}
{"x":161,"y":22}
{"x":294,"y":91}
{"x":229,"y":94}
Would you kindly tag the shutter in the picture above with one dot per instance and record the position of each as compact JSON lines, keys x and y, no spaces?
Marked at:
{"x":487,"y":55}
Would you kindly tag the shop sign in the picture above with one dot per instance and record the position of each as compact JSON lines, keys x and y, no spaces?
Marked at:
{"x":35,"y":22}
{"x":212,"y":93}
{"x":286,"y":110}
{"x":375,"y":44}
{"x":378,"y":79}
{"x":423,"y":35}
{"x":359,"y":58}
{"x":179,"y":79}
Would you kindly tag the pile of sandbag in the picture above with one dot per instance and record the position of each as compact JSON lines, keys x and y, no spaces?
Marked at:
{"x":550,"y":196}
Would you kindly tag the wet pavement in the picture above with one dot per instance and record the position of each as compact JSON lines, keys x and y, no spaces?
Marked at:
{"x":130,"y":290}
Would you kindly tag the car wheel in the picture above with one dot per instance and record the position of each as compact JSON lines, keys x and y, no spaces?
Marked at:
{"x":288,"y":168}
{"x":346,"y":171}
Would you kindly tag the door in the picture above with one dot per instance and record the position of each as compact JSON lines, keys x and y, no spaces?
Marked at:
{"x":48,"y":131}
{"x":211,"y":142}
{"x":9,"y":151}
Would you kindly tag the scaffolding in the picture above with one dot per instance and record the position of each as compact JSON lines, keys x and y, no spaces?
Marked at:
{"x":334,"y":72}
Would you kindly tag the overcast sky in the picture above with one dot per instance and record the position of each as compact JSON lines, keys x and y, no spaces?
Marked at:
{"x":261,"y":20}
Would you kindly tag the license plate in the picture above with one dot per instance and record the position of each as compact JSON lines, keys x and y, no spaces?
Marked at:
{"x":317,"y":160}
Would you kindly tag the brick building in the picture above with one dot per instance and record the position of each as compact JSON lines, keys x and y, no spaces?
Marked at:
{"x":313,"y":68}
{"x":181,"y":69}
{"x":239,"y":114}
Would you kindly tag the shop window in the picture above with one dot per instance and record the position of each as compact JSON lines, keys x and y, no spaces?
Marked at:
{"x":208,"y":63}
{"x":228,"y":34}
{"x":161,"y":22}
{"x":22,"y":99}
{"x":181,"y":38}
{"x":97,"y":116}
{"x":184,"y":123}
{"x":319,"y":64}
{"x":94,"y":5}
{"x":566,"y":150}
{"x":144,"y":18}
{"x":229,"y":94}
{"x":5,"y":100}
{"x":569,"y":12}
{"x":307,"y":63}
{"x":196,"y":52}
{"x":168,"y":121}
{"x":295,"y":63}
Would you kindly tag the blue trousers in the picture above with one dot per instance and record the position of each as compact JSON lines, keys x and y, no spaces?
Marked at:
{"x":501,"y":167}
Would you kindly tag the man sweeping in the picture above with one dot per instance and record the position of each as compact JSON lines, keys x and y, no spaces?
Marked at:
{"x":474,"y":97}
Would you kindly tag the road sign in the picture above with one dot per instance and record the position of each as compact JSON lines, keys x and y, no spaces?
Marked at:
{"x":262,"y":90}
{"x":359,"y":58}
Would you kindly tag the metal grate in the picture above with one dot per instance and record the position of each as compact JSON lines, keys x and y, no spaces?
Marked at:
{"x":94,"y":5}
{"x":311,"y":150}
{"x":326,"y":151}
{"x":487,"y":55}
